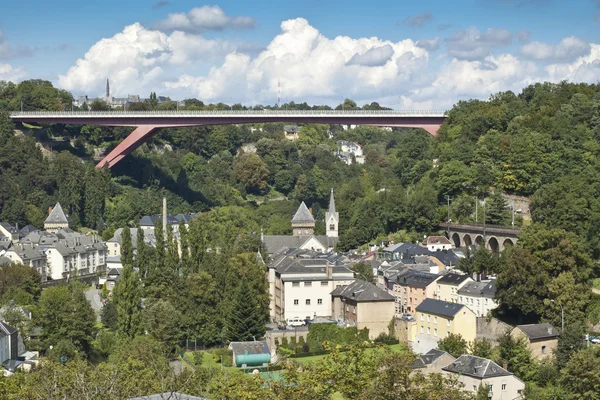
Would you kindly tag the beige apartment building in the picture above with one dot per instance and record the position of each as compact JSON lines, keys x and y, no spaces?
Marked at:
{"x":542,"y":339}
{"x":438,"y":319}
{"x":449,"y":285}
{"x":411,"y":288}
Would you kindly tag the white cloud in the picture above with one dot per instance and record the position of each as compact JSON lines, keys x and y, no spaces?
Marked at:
{"x":567,"y":49}
{"x":583,"y":69}
{"x":429,"y":44}
{"x":471,"y":44}
{"x":417,"y":20}
{"x":10,"y":73}
{"x":204,"y":19}
{"x":312,"y":67}
{"x":137,"y":59}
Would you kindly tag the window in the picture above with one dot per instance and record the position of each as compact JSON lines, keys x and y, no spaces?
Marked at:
{"x":448,"y":323}
{"x":504,"y":387}
{"x":435,"y":332}
{"x":428,"y":331}
{"x":474,"y":388}
{"x":422,"y":317}
{"x":460,"y":299}
{"x":296,"y":302}
{"x":543,"y":349}
{"x":332,"y":227}
{"x":435,"y":320}
{"x":491,"y":388}
{"x":307,"y":284}
{"x":295,"y":284}
{"x":319,"y":301}
{"x":308,"y":302}
{"x":428,"y":318}
{"x":447,"y":333}
{"x":324,"y":283}
{"x":421,"y":328}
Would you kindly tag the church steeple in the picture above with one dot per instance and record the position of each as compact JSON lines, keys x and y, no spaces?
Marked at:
{"x":332,"y":218}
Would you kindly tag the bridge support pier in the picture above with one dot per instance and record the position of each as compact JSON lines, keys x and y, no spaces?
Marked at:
{"x":135,"y":139}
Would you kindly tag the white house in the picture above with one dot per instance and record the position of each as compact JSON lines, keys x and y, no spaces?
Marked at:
{"x":300,"y":284}
{"x":347,"y":151}
{"x":479,"y":297}
{"x":31,"y":255}
{"x":438,"y":243}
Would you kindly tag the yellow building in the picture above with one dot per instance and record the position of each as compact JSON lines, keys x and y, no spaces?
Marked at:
{"x":437,"y":319}
{"x":542,"y":339}
{"x":448,"y":286}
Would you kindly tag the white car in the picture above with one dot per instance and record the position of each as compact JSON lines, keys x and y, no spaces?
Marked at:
{"x":295,"y":322}
{"x":595,"y":341}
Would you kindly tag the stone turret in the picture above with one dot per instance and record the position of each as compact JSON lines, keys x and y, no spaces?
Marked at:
{"x":332,"y":218}
{"x":303,"y":223}
{"x":57,"y":219}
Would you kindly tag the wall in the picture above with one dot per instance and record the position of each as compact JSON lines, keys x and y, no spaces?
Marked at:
{"x":375,"y":316}
{"x":540,"y":349}
{"x":480,"y":305}
{"x":491,"y":329}
{"x":513,"y":385}
{"x":449,"y":293}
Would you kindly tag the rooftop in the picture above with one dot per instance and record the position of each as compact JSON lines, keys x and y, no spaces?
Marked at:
{"x":430,"y":357}
{"x":476,"y":367}
{"x":439,"y":307}
{"x":362,"y":291}
{"x":57,"y":216}
{"x":415,"y":278}
{"x":453,"y":279}
{"x":438,"y":240}
{"x":303,"y":215}
{"x":257,"y":347}
{"x":539,"y":331}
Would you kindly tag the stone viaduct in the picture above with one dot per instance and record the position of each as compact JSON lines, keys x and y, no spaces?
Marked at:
{"x":493,"y":237}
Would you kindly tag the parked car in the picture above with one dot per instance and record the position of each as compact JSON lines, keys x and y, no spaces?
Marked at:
{"x":295,"y":322}
{"x":595,"y":341}
{"x":406,"y":317}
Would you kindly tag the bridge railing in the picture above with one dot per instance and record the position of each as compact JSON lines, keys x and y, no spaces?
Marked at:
{"x":334,"y":113}
{"x":480,"y":227}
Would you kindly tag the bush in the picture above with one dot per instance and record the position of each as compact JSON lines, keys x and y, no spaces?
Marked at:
{"x":198,"y":358}
{"x":224,"y":356}
{"x":305,"y":348}
{"x":386,"y":339}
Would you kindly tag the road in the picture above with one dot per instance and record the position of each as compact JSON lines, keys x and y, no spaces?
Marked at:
{"x":93,"y":296}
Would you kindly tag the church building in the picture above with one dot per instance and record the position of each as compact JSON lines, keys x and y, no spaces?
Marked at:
{"x":303,"y":228}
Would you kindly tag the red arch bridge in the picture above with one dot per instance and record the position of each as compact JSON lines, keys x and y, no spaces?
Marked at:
{"x":493,"y":237}
{"x":147,"y":123}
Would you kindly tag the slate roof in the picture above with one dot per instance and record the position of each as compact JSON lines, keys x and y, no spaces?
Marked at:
{"x":439,"y":307}
{"x":27,"y":229}
{"x":8,"y":227}
{"x":290,"y":128}
{"x":28,"y":251}
{"x":303,"y":215}
{"x":428,"y":358}
{"x":406,"y":248}
{"x":150,"y":220}
{"x":476,"y":367}
{"x":415,"y":278}
{"x":438,"y":240}
{"x":487,"y":289}
{"x":6,"y":328}
{"x":453,"y":279}
{"x":275,"y":243}
{"x":57,"y":216}
{"x":185,"y":217}
{"x":257,"y":347}
{"x":446,"y":257}
{"x":539,"y":331}
{"x":362,"y":291}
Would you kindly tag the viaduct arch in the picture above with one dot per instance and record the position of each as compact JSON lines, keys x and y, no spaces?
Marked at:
{"x":494,"y":237}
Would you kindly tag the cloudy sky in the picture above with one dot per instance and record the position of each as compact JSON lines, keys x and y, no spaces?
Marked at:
{"x":403,"y":54}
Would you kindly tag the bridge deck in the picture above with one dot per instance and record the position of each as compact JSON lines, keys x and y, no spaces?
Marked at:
{"x":489,"y":229}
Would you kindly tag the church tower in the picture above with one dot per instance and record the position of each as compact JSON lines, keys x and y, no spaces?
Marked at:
{"x":332,"y":218}
{"x":303,"y":223}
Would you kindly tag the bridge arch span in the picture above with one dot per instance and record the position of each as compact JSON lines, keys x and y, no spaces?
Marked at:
{"x":508,"y":242}
{"x":493,"y":244}
{"x":467,"y":240}
{"x":479,"y":240}
{"x":456,"y":240}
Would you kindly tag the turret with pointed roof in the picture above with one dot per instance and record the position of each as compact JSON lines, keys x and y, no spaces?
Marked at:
{"x":303,"y":223}
{"x":57,"y":219}
{"x":332,"y":218}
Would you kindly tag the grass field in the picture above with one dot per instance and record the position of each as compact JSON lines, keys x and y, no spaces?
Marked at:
{"x":303,"y":360}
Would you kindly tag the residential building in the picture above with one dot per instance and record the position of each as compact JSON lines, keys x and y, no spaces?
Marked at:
{"x":479,"y":297}
{"x":147,"y":222}
{"x":114,"y":243}
{"x":9,"y":346}
{"x":11,"y":233}
{"x":28,"y":254}
{"x":57,"y":219}
{"x":432,"y":362}
{"x":350,"y":152}
{"x":438,"y":319}
{"x":438,"y":243}
{"x":303,"y":237}
{"x":402,"y":252}
{"x":291,"y":132}
{"x":411,"y":288}
{"x":364,"y":305}
{"x":449,"y":285}
{"x":542,"y":339}
{"x":473,"y":371}
{"x":301,"y":281}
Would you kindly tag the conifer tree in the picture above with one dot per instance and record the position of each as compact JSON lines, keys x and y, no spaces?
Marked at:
{"x":172,"y":256}
{"x":245,"y":321}
{"x":142,"y":256}
{"x":160,"y":242}
{"x":127,"y":295}
{"x":185,"y":248}
{"x":126,"y":248}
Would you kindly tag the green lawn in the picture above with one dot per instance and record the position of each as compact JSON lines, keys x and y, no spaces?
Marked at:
{"x":207,"y":360}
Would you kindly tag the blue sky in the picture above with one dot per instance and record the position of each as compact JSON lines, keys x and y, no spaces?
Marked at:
{"x":405,"y":54}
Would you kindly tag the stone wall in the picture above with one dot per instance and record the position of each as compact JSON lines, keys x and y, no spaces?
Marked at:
{"x":492,"y":329}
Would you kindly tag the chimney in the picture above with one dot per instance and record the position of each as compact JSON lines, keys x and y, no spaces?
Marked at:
{"x":164,"y":217}
{"x":549,"y":330}
{"x":328,"y":270}
{"x":49,"y":210}
{"x":505,"y":366}
{"x":310,"y":210}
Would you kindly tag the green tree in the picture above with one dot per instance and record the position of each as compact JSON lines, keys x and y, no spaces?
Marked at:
{"x":252,"y":172}
{"x":127,"y":296}
{"x":496,"y":211}
{"x":581,"y":375}
{"x":363,"y":271}
{"x":126,"y":248}
{"x":570,"y":341}
{"x":246,"y":320}
{"x":481,"y":348}
{"x":454,"y":344}
{"x":514,"y":352}
{"x":109,"y":315}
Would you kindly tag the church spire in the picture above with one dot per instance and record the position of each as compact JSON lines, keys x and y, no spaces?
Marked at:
{"x":331,"y":203}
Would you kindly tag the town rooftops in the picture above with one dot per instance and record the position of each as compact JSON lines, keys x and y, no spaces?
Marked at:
{"x":539,"y":331}
{"x":476,"y":367}
{"x":362,"y":291}
{"x":487,"y":289}
{"x":453,"y":279}
{"x":439,"y":307}
{"x":416,"y":278}
{"x":150,"y":220}
{"x":291,"y":128}
{"x":275,"y":243}
{"x":57,"y":216}
{"x":8,"y":227}
{"x":27,"y":229}
{"x":428,"y":358}
{"x":303,"y":215}
{"x":407,"y":248}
